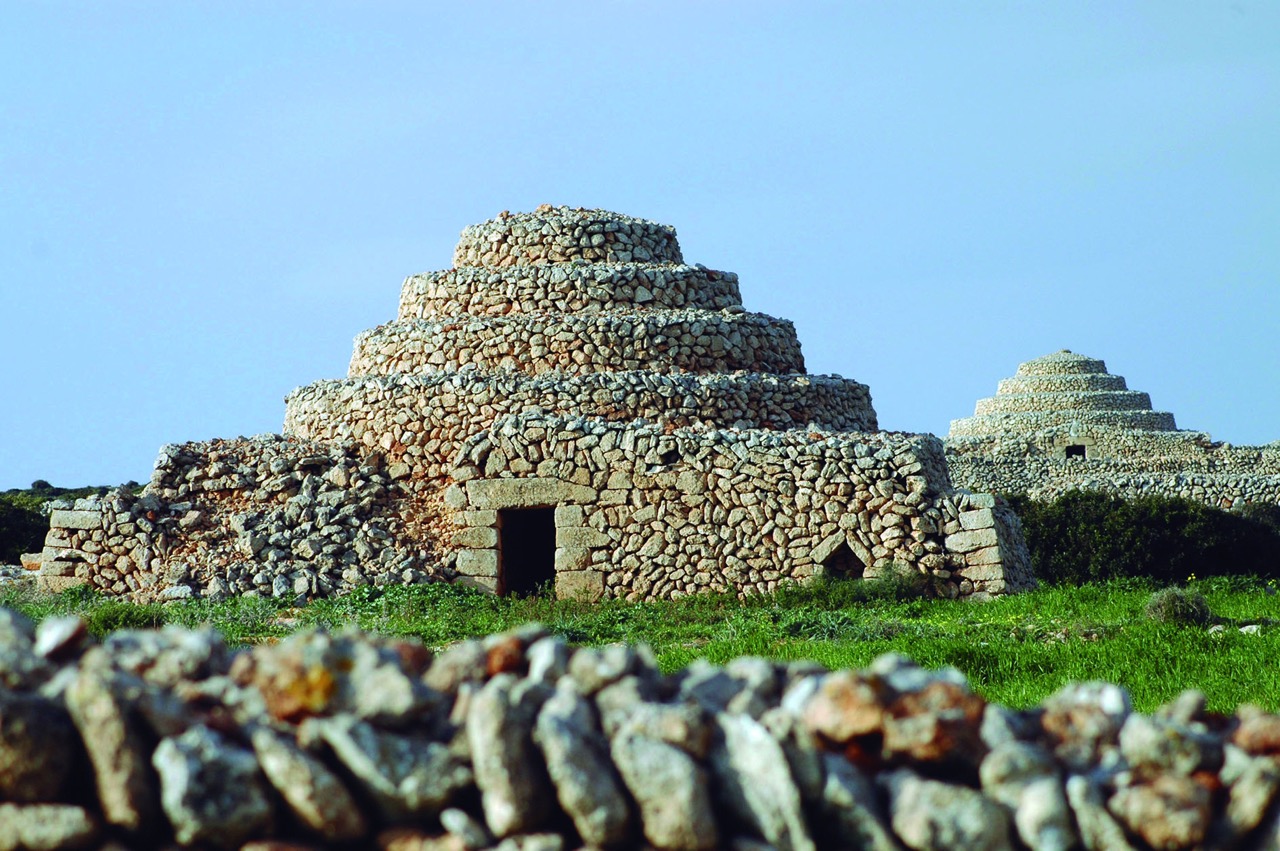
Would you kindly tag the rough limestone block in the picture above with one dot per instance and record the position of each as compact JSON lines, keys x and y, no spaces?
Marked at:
{"x":477,"y":537}
{"x":478,"y":562}
{"x":455,"y":496}
{"x":986,"y":555}
{"x":580,"y":585}
{"x":580,"y":536}
{"x":484,"y":583}
{"x":57,"y":567}
{"x":476,"y":518}
{"x":822,"y":551}
{"x":982,"y":518}
{"x":526,"y":493}
{"x":58,"y":584}
{"x":572,"y":558}
{"x":982,"y":572}
{"x":31,"y":561}
{"x":570,"y":515}
{"x":65,"y":519}
{"x":966,"y":542}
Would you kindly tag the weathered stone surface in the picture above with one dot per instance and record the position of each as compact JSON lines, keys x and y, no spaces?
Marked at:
{"x":754,"y":778}
{"x":212,"y":791}
{"x":932,"y":816}
{"x":46,"y":827}
{"x":670,"y":789}
{"x":117,"y":748}
{"x":514,"y":787}
{"x":38,"y":748}
{"x":577,"y":758}
{"x":315,"y":794}
{"x":404,"y":775}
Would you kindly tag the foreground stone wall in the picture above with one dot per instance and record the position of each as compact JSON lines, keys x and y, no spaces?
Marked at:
{"x":520,"y":742}
{"x":644,"y":512}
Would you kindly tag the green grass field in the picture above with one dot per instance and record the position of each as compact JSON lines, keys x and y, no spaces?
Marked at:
{"x":1015,"y":650}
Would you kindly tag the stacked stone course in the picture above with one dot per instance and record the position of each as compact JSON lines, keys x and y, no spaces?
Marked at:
{"x":520,"y":742}
{"x":1017,"y":442}
{"x":546,"y":370}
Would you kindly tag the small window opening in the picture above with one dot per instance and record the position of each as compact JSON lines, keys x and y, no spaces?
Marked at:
{"x":843,"y":564}
{"x":1076,"y":450}
{"x":526,"y":549}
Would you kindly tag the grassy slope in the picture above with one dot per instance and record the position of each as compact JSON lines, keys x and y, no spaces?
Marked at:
{"x":1015,"y":651}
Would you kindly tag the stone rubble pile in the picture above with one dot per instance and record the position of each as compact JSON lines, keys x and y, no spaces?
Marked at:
{"x":521,"y":742}
{"x":259,"y":516}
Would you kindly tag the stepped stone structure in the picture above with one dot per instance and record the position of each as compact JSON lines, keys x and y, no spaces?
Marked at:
{"x":571,"y":405}
{"x":1064,"y":423}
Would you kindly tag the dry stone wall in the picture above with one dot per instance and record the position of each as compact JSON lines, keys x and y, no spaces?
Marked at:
{"x":661,"y":341}
{"x":424,"y":419}
{"x":563,"y":235}
{"x":520,"y":742}
{"x":1064,"y":423}
{"x":566,"y":288}
{"x":644,"y":513}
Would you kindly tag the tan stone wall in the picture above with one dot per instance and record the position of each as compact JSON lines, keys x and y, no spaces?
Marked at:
{"x":642,"y":513}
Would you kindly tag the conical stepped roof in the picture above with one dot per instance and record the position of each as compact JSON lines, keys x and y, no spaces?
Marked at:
{"x":1061,"y":389}
{"x":582,"y":312}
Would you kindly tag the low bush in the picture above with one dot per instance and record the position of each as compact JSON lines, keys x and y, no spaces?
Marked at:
{"x":1174,"y":605}
{"x":1088,"y":537}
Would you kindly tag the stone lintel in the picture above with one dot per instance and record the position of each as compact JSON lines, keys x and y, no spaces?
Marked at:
{"x":526,"y":493}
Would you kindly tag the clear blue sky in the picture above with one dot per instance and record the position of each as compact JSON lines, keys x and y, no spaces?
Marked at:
{"x":201,"y":203}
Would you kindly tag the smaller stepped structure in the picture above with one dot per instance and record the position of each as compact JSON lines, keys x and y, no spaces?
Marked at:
{"x":570,"y":405}
{"x":1062,"y":422}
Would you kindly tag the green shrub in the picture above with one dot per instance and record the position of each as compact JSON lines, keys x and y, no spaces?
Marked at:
{"x":22,"y":528}
{"x":1090,"y":537}
{"x":1174,"y":605}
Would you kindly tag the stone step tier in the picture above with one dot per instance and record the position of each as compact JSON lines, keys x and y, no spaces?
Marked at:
{"x":424,"y":418}
{"x":1096,"y":400}
{"x":566,"y":288}
{"x":563,"y":235}
{"x":1063,"y":362}
{"x":1073,"y":383}
{"x":659,"y":340}
{"x":1022,"y":424}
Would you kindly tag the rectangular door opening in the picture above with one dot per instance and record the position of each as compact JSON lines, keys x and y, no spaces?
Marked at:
{"x":526,"y":549}
{"x":1076,"y":450}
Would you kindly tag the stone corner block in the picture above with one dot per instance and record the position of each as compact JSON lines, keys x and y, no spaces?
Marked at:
{"x":62,"y":518}
{"x":580,"y":585}
{"x":968,"y":541}
{"x":478,"y":562}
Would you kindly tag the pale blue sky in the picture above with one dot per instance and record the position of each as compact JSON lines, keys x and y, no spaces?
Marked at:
{"x":201,"y":203}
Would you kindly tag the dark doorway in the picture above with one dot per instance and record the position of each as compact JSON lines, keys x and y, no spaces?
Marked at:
{"x":1076,"y":450}
{"x":843,"y":564}
{"x":526,"y":549}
